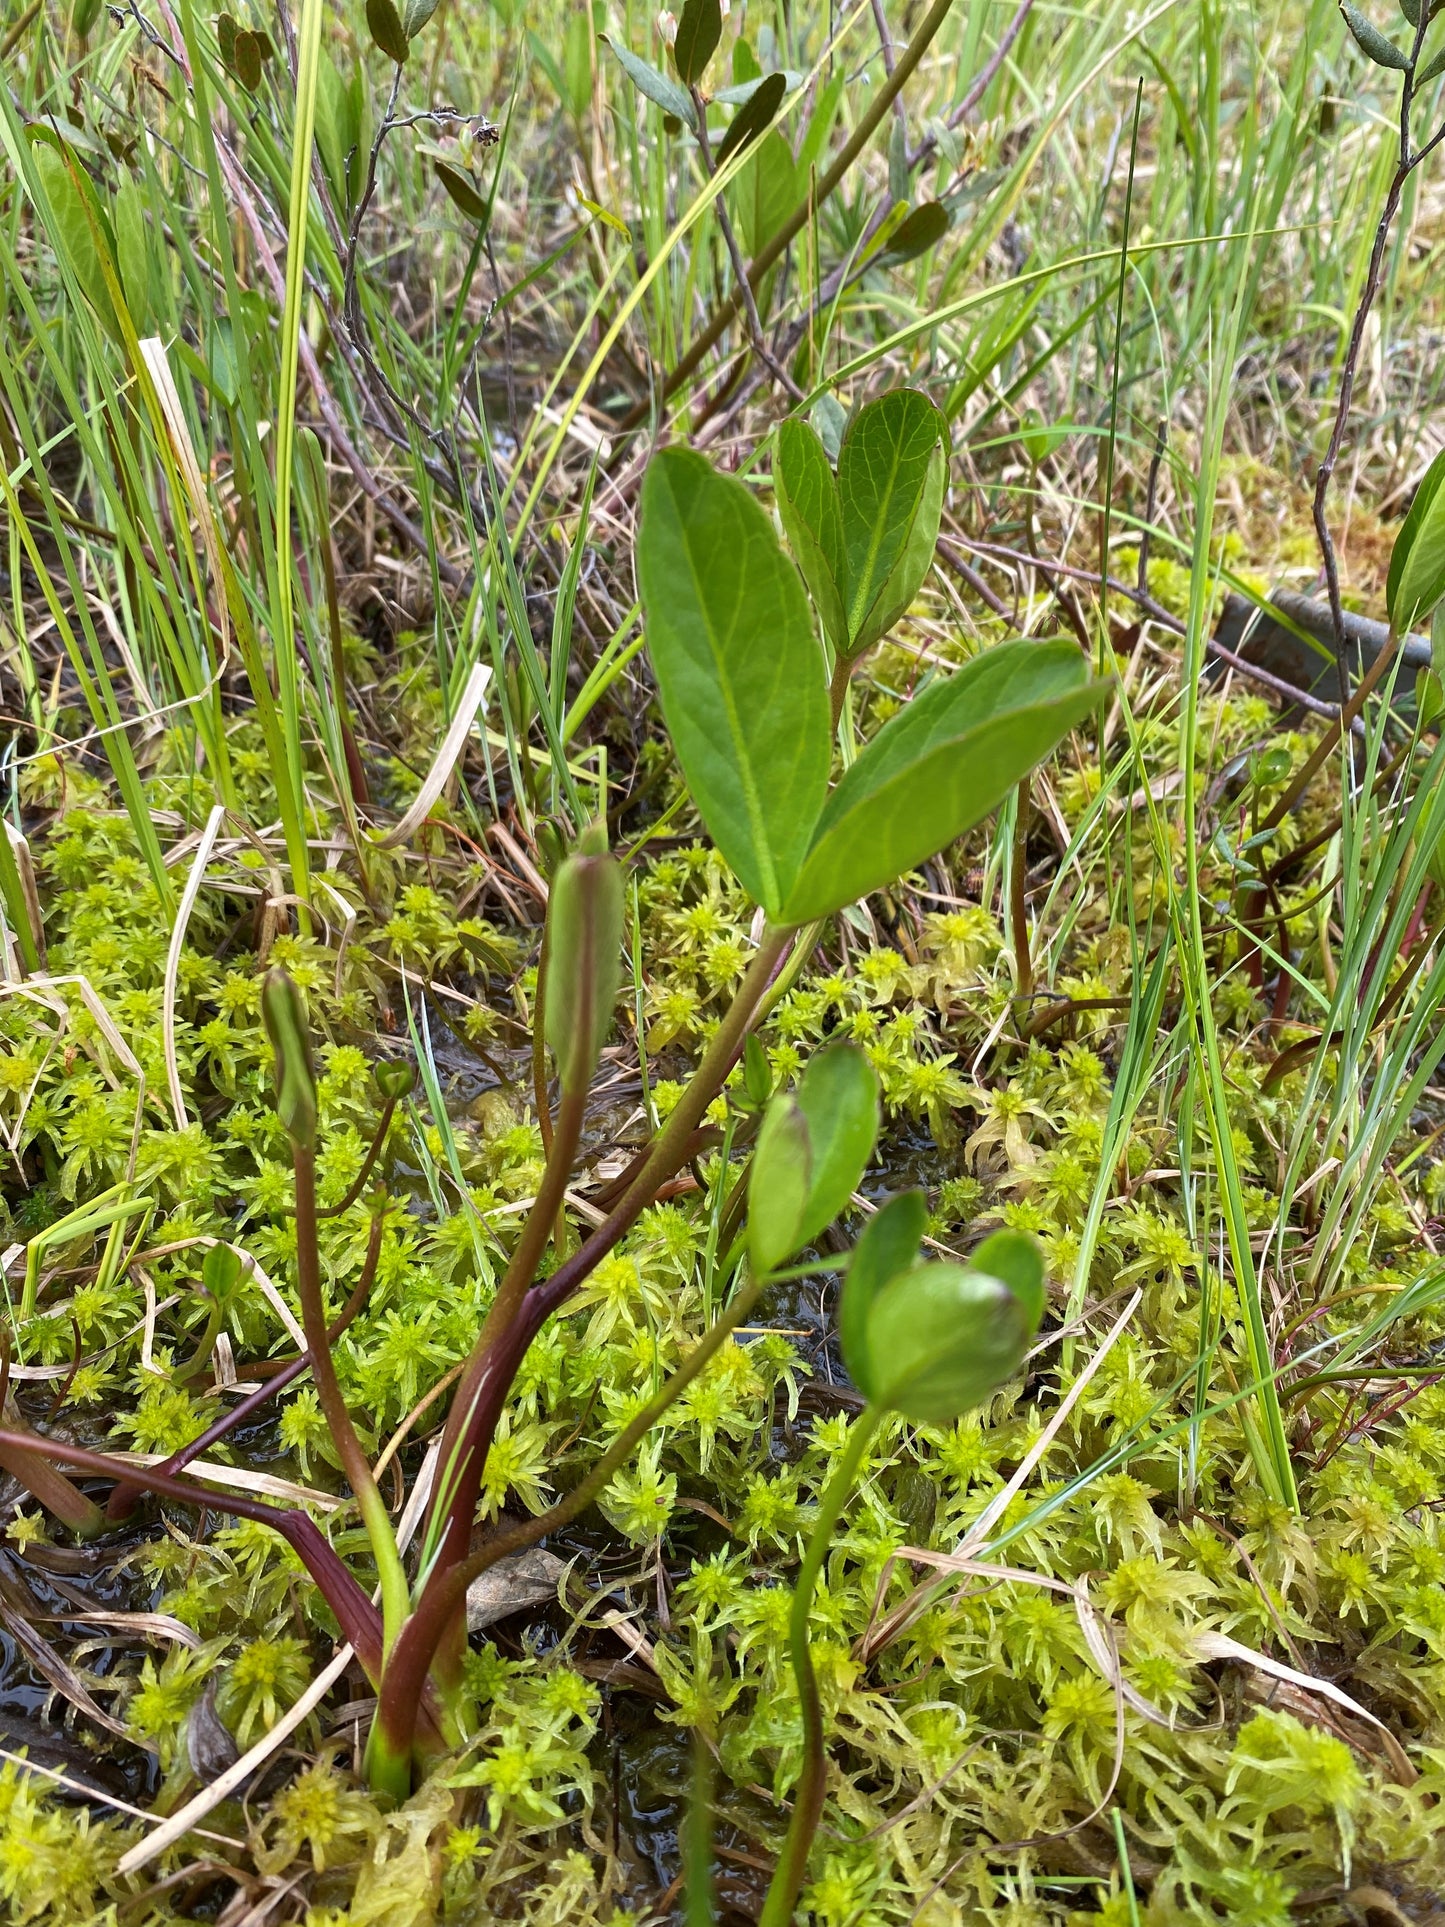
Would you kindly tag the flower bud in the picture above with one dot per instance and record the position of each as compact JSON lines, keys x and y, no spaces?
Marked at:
{"x":283,"y":1011}
{"x":584,"y":968}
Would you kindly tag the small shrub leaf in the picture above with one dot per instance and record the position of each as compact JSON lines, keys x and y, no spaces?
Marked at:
{"x":754,"y":117}
{"x":658,"y":87}
{"x":1372,"y":43}
{"x":387,"y":31}
{"x":884,"y":476}
{"x":813,"y":1147}
{"x":812,"y":518}
{"x":462,"y":191}
{"x":698,"y":32}
{"x":1416,"y":580}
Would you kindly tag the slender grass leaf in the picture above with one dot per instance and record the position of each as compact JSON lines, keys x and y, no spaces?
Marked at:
{"x":755,"y":117}
{"x":737,"y":668}
{"x":1416,"y":580}
{"x":658,"y":87}
{"x":698,"y":32}
{"x":812,"y":518}
{"x":883,"y":477}
{"x":1372,"y":43}
{"x":939,"y":767}
{"x":888,"y":1247}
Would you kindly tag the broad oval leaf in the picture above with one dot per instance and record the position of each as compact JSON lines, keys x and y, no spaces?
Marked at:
{"x":386,"y":30}
{"x":812,"y":518}
{"x":755,"y":117}
{"x":658,"y":87}
{"x":887,"y":1248}
{"x":737,"y":668}
{"x":1416,"y":581}
{"x":895,"y":598}
{"x":1371,"y":41}
{"x":883,"y":473}
{"x":943,"y":1338}
{"x":939,"y":767}
{"x":698,"y":32}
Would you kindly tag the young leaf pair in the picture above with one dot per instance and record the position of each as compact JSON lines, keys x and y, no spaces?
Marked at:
{"x":743,"y":689}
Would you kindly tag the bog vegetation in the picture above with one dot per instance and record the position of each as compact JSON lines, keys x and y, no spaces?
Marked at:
{"x":718,"y":1056}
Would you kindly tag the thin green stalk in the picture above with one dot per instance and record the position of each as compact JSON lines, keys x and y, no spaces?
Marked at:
{"x":787,"y":1881}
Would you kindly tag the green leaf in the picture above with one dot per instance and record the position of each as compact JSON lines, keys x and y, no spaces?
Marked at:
{"x":755,"y":117}
{"x":778,"y":1186}
{"x":1416,"y":581}
{"x":895,"y":598}
{"x":698,"y":32}
{"x":1016,"y":1258}
{"x":765,"y":193}
{"x":812,"y":1149}
{"x":737,"y":668}
{"x":585,"y":915}
{"x":386,"y":30}
{"x":577,"y":45}
{"x":414,"y":16}
{"x":943,"y":1338}
{"x":1372,"y":42}
{"x":132,"y":252}
{"x":812,"y":518}
{"x":883,"y":477}
{"x":462,"y":191}
{"x":73,"y":234}
{"x":658,"y":87}
{"x":887,"y":1248}
{"x":921,"y":229}
{"x":247,"y":58}
{"x":938,"y":767}
{"x":1433,"y":68}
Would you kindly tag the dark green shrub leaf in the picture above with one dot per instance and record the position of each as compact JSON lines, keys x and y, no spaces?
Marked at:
{"x":754,"y":117}
{"x":921,"y":229}
{"x":698,"y":32}
{"x":386,"y":30}
{"x":737,"y":668}
{"x":414,"y":16}
{"x":1416,"y":581}
{"x":887,"y":1248}
{"x":1373,"y":44}
{"x":658,"y":87}
{"x":226,"y":31}
{"x":246,"y":58}
{"x":585,"y":916}
{"x":812,"y":518}
{"x":462,"y":191}
{"x":890,"y":484}
{"x":941,"y":1339}
{"x":939,"y":767}
{"x":1432,"y":70}
{"x":812,"y":1149}
{"x":283,"y":1012}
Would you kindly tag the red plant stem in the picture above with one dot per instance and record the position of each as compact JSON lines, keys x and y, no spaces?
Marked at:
{"x":438,"y":1607}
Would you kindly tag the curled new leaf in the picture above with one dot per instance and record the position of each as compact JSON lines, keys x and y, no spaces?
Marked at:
{"x":888,"y":1247}
{"x":394,"y":1081}
{"x":941,"y":1338}
{"x":283,"y":1012}
{"x":812,"y":1149}
{"x":585,"y":918}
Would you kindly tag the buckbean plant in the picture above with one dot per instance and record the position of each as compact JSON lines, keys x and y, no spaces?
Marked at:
{"x":753,"y":698}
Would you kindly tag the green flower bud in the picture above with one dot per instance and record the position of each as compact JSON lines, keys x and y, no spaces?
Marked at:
{"x":584,"y":968}
{"x":394,"y":1080}
{"x":283,"y":1011}
{"x":812,"y":1149}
